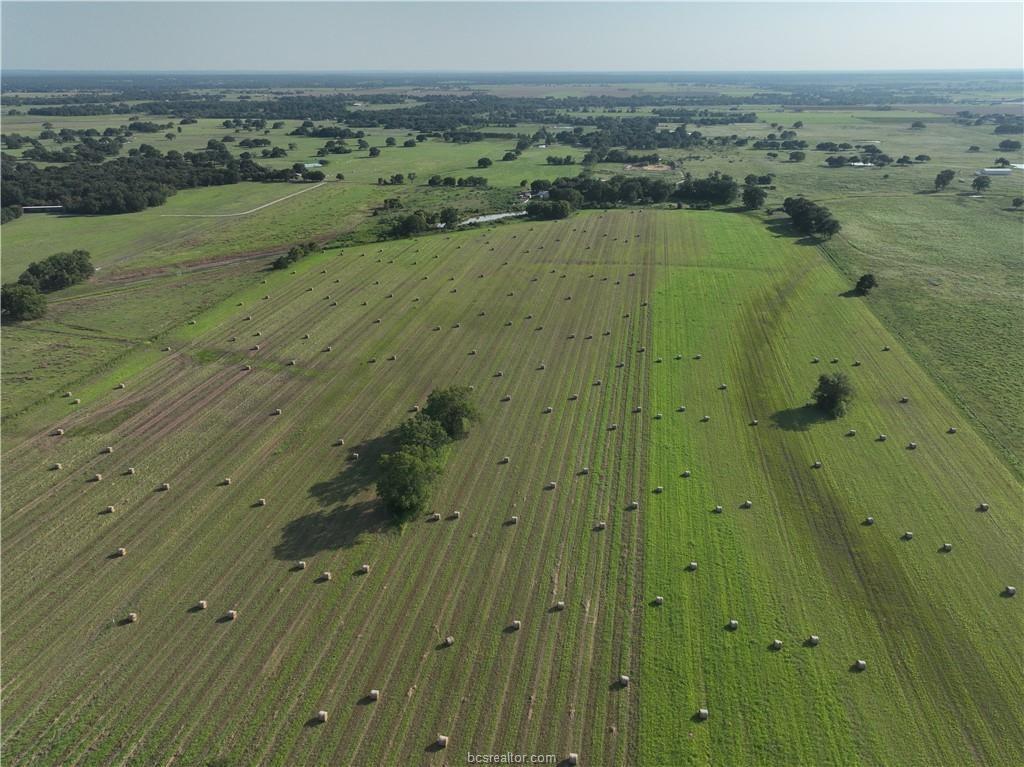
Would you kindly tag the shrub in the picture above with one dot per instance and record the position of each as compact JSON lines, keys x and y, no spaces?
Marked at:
{"x":59,"y":271}
{"x":21,"y":302}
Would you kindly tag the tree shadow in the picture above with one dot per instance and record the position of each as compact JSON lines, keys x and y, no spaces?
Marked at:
{"x":798,"y":418}
{"x":782,"y":228}
{"x":342,"y":522}
{"x":851,"y":293}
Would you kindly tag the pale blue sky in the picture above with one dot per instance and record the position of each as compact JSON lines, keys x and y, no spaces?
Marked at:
{"x":499,"y":36}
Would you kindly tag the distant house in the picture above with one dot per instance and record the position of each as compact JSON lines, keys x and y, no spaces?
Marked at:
{"x":994,"y":172}
{"x":309,"y":165}
{"x":861,"y":164}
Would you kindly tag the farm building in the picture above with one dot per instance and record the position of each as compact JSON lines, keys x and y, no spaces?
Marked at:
{"x":994,"y":172}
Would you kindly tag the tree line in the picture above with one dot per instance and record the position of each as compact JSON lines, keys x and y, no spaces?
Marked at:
{"x":25,"y":299}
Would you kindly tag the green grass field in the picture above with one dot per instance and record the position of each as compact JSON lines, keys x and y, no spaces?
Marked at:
{"x":184,"y":685}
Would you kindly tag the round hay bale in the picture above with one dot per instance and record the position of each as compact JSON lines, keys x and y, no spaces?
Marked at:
{"x":108,"y":510}
{"x":634,"y":505}
{"x":718,"y":509}
{"x":321,"y":716}
{"x":1010,"y":591}
{"x":166,"y":349}
{"x":277,"y":411}
{"x":549,"y":410}
{"x":657,"y":416}
{"x":983,"y":506}
{"x":165,"y":486}
{"x":623,"y":680}
{"x":851,"y":433}
{"x":122,"y":552}
{"x":659,"y":489}
{"x":516,"y":625}
{"x":442,"y":741}
{"x":747,"y":504}
{"x":456,"y":515}
{"x":908,"y":535}
{"x":702,"y":714}
{"x":291,"y":363}
{"x":573,"y":397}
{"x":601,"y":525}
{"x":325,"y":575}
{"x":816,"y":465}
{"x":733,"y":624}
{"x":637,"y":409}
{"x":300,"y":565}
{"x":133,"y":618}
{"x":449,"y":641}
{"x":353,"y":456}
{"x":692,"y":566}
{"x":834,"y":360}
{"x":56,"y":467}
{"x":258,"y":333}
{"x":678,"y":357}
{"x":201,"y":604}
{"x":107,"y":450}
{"x":364,"y":569}
{"x":776,"y":644}
{"x":119,"y":386}
{"x":305,"y":336}
{"x":869,"y":521}
{"x":255,"y":348}
{"x":551,"y":485}
{"x":947,"y":547}
{"x":67,"y":394}
{"x":659,"y":600}
{"x":613,"y":427}
{"x":681,"y":409}
{"x":559,"y":605}
{"x":698,"y":356}
{"x":882,"y":437}
{"x":722,"y":387}
{"x":813,"y":640}
{"x":911,"y":446}
{"x":573,"y":758}
{"x":247,"y":367}
{"x":505,"y":459}
{"x":705,"y":419}
{"x":58,"y":433}
{"x":374,"y":695}
{"x":261,"y":501}
{"x":507,"y":398}
{"x":76,"y":402}
{"x":860,"y":665}
{"x":753,"y":422}
{"x":620,"y":364}
{"x":597,"y":382}
{"x":339,"y":442}
{"x":856,"y":363}
{"x":951,"y":430}
{"x":815,"y":361}
{"x":686,"y":474}
{"x":435,"y":517}
{"x":904,"y":400}
{"x":97,"y":477}
{"x":514,"y":520}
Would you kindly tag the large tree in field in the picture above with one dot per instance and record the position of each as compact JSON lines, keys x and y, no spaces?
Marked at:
{"x":944,"y":179}
{"x":452,"y":408}
{"x":754,"y":197}
{"x":981,"y":183}
{"x":407,"y":478}
{"x":484,"y":162}
{"x":866,"y":283}
{"x":21,"y":302}
{"x":833,"y":394}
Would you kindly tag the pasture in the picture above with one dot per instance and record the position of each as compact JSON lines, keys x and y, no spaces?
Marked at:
{"x":555,"y":308}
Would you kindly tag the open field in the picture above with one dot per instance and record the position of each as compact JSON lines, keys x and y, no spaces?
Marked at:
{"x":186,"y":685}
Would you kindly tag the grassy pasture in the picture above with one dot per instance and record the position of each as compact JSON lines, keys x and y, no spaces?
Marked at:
{"x":82,"y":689}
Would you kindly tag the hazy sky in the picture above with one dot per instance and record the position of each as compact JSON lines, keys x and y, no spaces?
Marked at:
{"x":500,"y":36}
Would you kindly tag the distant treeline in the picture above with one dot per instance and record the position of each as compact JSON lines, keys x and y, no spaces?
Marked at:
{"x":126,"y":184}
{"x":587,"y":192}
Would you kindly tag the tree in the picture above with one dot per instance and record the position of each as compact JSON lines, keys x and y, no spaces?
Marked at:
{"x":509,"y":156}
{"x":1017,"y":202}
{"x":922,"y":158}
{"x":797,"y":156}
{"x":944,"y":179}
{"x":833,"y":394}
{"x":974,"y":148}
{"x":1002,"y":162}
{"x":981,"y":183}
{"x":484,"y":162}
{"x":390,"y":141}
{"x":866,"y":283}
{"x":449,"y":217}
{"x":753,"y":197}
{"x":452,"y":408}
{"x":422,"y":430}
{"x":409,"y":142}
{"x":170,"y":136}
{"x":407,"y":478}
{"x":918,"y":125}
{"x":21,"y":302}
{"x":1009,"y":145}
{"x":374,"y":151}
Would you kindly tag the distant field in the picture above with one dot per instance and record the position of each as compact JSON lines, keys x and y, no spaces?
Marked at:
{"x":182,"y":685}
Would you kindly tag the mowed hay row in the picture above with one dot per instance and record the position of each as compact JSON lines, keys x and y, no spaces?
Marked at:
{"x":800,"y":561}
{"x":196,"y":541}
